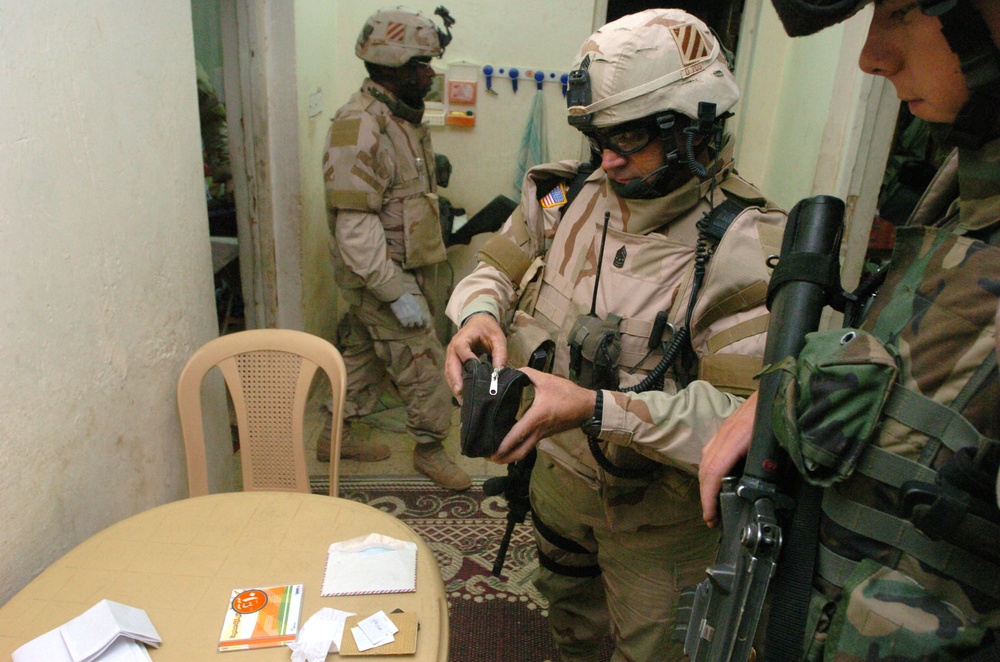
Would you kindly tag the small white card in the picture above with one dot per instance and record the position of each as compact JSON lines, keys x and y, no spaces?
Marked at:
{"x":363,"y":643}
{"x":378,"y":627}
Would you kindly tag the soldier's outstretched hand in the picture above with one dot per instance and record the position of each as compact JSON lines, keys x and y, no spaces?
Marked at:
{"x":480,"y":334}
{"x":559,"y":405}
{"x":721,"y":454}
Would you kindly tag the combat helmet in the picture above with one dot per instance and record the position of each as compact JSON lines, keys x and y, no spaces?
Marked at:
{"x":645,"y":63}
{"x":967,"y":34}
{"x":392,"y":37}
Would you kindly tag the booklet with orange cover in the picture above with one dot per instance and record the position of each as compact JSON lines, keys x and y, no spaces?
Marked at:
{"x":261,"y":617}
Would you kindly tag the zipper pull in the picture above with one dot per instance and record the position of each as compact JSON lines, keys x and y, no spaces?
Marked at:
{"x":495,"y":381}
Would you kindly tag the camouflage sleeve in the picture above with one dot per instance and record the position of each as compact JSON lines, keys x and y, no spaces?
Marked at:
{"x":668,"y":427}
{"x":362,"y":248}
{"x":485,"y":290}
{"x":357,"y":171}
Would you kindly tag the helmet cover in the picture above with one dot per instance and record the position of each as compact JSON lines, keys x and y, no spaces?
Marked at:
{"x":392,"y":37}
{"x":652,"y":61}
{"x":805,"y":17}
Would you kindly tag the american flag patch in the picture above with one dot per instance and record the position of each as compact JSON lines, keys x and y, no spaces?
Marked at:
{"x":555,"y":198}
{"x":395,"y":32}
{"x":690,"y":42}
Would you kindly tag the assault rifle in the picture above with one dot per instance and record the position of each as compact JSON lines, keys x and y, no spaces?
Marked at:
{"x":514,"y":486}
{"x":727,"y":605}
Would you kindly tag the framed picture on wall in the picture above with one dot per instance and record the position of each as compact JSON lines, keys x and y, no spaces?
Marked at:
{"x":462,"y":92}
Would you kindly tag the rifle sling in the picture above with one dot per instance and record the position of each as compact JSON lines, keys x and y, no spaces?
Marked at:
{"x":793,"y":582}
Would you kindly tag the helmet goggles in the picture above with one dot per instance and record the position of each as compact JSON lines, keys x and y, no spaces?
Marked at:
{"x":623,"y":140}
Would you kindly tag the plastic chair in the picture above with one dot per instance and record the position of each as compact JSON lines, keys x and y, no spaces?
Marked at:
{"x":268,"y":373}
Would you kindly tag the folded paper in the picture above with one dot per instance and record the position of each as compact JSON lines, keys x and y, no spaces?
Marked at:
{"x":106,"y":631}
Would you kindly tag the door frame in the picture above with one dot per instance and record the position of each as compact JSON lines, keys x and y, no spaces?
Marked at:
{"x":258,"y":43}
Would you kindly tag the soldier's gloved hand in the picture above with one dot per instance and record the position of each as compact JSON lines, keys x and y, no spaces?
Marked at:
{"x":408,"y":311}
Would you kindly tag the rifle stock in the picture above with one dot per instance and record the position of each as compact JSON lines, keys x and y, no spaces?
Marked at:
{"x":727,"y":605}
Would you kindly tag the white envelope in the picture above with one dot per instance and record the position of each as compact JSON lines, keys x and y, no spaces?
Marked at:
{"x":370,"y":564}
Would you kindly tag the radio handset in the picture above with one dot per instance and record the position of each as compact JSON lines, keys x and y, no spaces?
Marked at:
{"x":595,"y":343}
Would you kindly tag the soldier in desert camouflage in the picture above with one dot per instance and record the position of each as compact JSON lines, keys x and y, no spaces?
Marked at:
{"x":618,"y":541}
{"x":380,"y":178}
{"x":908,"y":566}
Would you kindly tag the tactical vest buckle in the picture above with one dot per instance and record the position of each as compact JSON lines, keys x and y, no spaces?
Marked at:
{"x":936,"y":510}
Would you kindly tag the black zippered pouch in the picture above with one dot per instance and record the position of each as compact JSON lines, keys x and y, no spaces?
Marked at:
{"x":490,"y":402}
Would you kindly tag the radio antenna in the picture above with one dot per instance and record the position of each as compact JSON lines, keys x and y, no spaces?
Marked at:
{"x":600,"y":259}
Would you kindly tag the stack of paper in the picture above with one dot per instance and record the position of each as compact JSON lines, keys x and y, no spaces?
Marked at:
{"x":108,"y":632}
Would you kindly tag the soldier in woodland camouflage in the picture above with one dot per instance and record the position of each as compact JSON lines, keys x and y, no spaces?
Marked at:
{"x":214,"y":138}
{"x":615,"y":550}
{"x":908,"y":566}
{"x":380,"y":177}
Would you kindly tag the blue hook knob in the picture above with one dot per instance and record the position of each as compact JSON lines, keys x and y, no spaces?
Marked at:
{"x":539,"y":79}
{"x":564,"y":79}
{"x":488,"y":72}
{"x":513,"y":77}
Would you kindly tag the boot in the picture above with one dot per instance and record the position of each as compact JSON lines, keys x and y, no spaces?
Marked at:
{"x":432,"y":461}
{"x":351,"y":447}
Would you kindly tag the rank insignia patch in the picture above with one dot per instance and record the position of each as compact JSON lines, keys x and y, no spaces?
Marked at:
{"x":555,"y":198}
{"x":620,"y":256}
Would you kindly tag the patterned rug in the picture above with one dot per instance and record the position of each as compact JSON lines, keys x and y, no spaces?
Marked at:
{"x":492,"y":619}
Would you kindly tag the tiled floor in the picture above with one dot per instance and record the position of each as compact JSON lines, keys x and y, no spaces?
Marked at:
{"x":388,"y":426}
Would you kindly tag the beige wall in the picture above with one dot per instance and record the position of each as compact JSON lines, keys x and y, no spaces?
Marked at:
{"x":484,"y":157}
{"x":106,"y":283}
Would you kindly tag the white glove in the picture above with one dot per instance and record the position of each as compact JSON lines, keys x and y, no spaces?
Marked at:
{"x":408,"y":311}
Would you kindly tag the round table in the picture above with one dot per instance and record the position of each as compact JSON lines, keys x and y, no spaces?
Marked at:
{"x":180,"y":562}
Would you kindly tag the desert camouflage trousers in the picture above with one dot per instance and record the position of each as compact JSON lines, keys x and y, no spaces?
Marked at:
{"x":642,"y":572}
{"x":374,"y":344}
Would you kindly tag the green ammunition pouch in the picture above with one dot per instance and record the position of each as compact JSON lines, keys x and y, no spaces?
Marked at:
{"x":595,"y":346}
{"x":830,"y":400}
{"x":829,"y":405}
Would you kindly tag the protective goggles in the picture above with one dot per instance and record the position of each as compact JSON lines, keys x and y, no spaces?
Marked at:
{"x":623,"y":140}
{"x":418,"y":63}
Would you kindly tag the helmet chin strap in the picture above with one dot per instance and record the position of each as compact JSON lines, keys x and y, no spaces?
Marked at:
{"x":644,"y":188}
{"x":400,"y":108}
{"x":969,"y":37}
